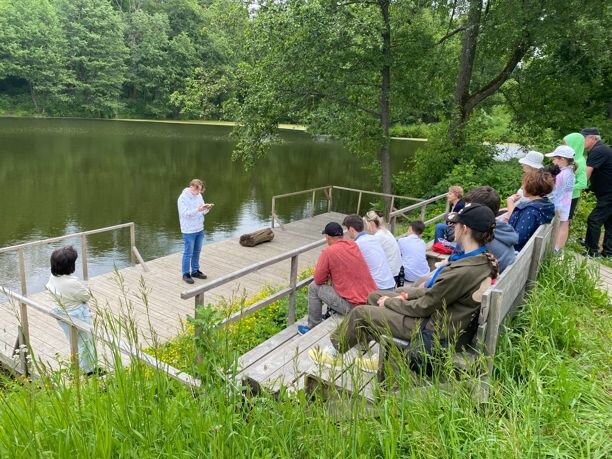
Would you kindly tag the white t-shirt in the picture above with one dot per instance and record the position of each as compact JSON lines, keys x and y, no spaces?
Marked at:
{"x":375,"y":258}
{"x":392,"y":251}
{"x":414,"y":258}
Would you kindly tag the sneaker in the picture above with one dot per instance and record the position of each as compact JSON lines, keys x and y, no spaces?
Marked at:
{"x":303,"y":329}
{"x":330,"y":312}
{"x":328,"y":356}
{"x":187,"y":278}
{"x":368,"y":364}
{"x":199,"y":274}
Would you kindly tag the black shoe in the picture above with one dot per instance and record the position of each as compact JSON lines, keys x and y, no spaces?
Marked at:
{"x":199,"y":275}
{"x":187,"y":278}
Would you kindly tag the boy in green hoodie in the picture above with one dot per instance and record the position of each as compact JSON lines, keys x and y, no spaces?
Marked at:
{"x":576,"y":141}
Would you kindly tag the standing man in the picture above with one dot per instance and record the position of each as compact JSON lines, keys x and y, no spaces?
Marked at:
{"x":341,"y":278}
{"x":191,"y":209}
{"x":599,"y":171}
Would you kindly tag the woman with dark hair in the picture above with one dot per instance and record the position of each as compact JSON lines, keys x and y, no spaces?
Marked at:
{"x":71,"y":297}
{"x":447,"y":310}
{"x":527,"y":217}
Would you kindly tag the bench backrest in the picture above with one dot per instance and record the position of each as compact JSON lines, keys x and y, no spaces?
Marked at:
{"x":500,"y":301}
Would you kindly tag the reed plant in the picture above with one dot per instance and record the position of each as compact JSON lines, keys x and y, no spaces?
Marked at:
{"x":549,"y":397}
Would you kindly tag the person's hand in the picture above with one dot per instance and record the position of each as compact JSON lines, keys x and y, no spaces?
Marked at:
{"x":381,"y":301}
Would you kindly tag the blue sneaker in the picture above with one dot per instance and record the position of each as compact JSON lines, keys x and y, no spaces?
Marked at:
{"x":303,"y":329}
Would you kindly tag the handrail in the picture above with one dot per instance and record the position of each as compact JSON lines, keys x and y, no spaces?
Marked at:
{"x":418,"y":205}
{"x":65,"y":236}
{"x":376,"y":193}
{"x":249,"y":269}
{"x":78,"y":325}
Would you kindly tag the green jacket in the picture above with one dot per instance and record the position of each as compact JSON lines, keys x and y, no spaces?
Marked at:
{"x":452,"y":302}
{"x":576,"y":141}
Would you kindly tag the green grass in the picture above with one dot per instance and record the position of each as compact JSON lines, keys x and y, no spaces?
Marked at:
{"x":550,"y":397}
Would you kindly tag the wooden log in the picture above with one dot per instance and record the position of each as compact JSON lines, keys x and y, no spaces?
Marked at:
{"x":256,"y":237}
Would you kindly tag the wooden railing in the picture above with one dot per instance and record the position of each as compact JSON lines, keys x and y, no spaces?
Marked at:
{"x":328,"y":190}
{"x":294,"y":285}
{"x":24,"y":329}
{"x":75,"y":326}
{"x":422,"y":206}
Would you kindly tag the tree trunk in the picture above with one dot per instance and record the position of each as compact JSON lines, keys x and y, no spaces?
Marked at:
{"x":32,"y":94}
{"x":464,"y":77}
{"x":385,"y":90}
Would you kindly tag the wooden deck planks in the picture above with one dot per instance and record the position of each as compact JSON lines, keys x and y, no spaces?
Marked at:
{"x":166,"y":310}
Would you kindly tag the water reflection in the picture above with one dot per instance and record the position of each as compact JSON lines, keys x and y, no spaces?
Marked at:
{"x":63,"y":176}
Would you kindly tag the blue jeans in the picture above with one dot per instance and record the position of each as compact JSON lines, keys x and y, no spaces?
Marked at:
{"x":439,"y":233}
{"x":85,"y":343}
{"x":191,"y":252}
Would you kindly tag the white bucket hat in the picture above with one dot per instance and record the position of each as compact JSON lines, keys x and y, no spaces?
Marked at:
{"x":565,"y":151}
{"x":533,"y":159}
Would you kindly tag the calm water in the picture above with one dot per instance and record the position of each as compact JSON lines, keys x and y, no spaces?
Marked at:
{"x":65,"y":176}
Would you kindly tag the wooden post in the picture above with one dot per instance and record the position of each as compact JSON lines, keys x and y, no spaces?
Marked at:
{"x":132,"y":243}
{"x":330,"y":199}
{"x":84,"y":257}
{"x":74,"y":346}
{"x":312,"y":207}
{"x":423,"y":212}
{"x":199,"y":302}
{"x":292,"y":284}
{"x":22,"y":349}
{"x":359,"y":203}
{"x":273,"y":211}
{"x":24,"y":326}
{"x":536,"y":258}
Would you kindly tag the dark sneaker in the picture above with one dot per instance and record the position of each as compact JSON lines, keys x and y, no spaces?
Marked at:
{"x":187,"y":278}
{"x":303,"y":329}
{"x":199,"y":275}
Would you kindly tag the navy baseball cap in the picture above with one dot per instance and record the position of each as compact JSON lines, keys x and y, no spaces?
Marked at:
{"x":333,"y":229}
{"x":474,"y":216}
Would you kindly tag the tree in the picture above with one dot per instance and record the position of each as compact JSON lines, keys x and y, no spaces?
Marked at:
{"x":329,"y":65}
{"x":97,"y":55}
{"x":31,"y":49}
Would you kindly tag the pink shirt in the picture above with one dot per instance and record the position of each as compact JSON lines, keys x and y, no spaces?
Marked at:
{"x":343,"y":264}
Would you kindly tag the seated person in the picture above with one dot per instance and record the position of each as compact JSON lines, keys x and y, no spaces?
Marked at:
{"x":71,"y":297}
{"x":527,"y":217}
{"x":454,"y":198}
{"x":446,"y":310}
{"x":372,"y":251}
{"x":375,"y":225}
{"x":341,"y":278}
{"x":531,"y":161}
{"x":504,"y":236}
{"x":413,"y":250}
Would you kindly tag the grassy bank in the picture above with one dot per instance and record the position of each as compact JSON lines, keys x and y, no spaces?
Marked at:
{"x":550,"y":398}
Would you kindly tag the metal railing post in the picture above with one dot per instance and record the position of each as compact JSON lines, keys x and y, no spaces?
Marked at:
{"x":84,"y":257}
{"x":312,"y":207}
{"x":132,"y":243}
{"x":292,"y":295}
{"x":359,"y":202}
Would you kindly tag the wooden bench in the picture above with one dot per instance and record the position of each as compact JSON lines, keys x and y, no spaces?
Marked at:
{"x":498,"y":304}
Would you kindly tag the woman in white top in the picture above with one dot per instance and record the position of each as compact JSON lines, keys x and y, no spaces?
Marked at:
{"x":375,"y":224}
{"x":71,"y":297}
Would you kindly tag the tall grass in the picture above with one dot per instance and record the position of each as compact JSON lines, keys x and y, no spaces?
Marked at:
{"x":550,"y":397}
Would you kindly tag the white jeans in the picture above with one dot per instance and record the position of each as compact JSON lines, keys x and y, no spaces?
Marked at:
{"x":85,"y":342}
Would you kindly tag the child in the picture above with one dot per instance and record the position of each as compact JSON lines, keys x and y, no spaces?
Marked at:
{"x":71,"y":297}
{"x":412,"y":248}
{"x":563,"y":157}
{"x":454,"y":198}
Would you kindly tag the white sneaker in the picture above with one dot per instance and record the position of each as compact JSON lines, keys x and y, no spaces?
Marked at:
{"x":328,"y":356}
{"x":368,"y":364}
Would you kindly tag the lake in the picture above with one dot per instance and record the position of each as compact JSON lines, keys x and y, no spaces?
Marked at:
{"x":63,"y":176}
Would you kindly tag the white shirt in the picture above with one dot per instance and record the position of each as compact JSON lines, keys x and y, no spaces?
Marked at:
{"x":414,"y":258}
{"x":67,"y":291}
{"x":375,"y":258}
{"x":191,"y":219}
{"x":392,"y":251}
